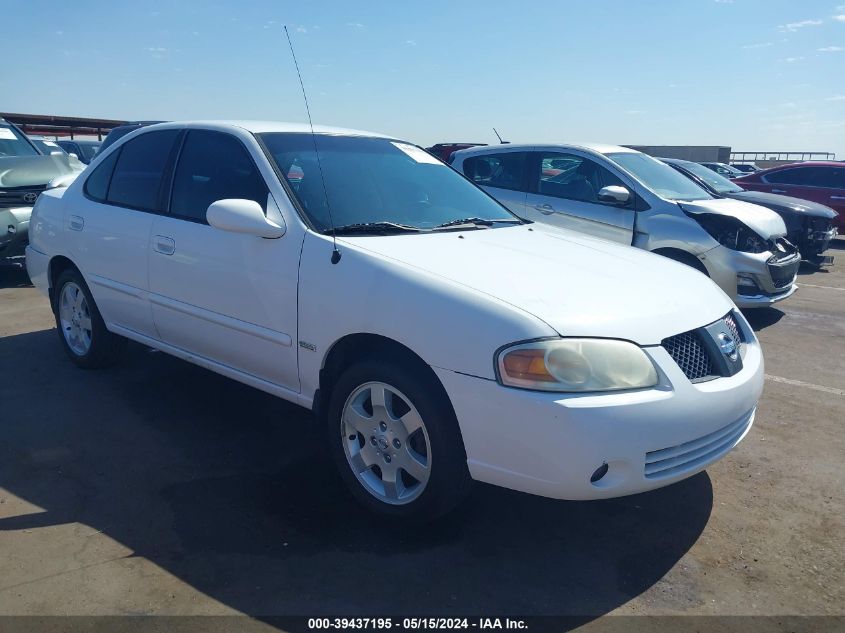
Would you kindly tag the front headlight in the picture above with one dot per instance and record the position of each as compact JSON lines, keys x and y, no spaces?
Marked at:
{"x":731,"y":233}
{"x":576,"y":365}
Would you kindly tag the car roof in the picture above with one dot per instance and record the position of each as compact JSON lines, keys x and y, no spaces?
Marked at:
{"x":261,"y":127}
{"x":598,"y":148}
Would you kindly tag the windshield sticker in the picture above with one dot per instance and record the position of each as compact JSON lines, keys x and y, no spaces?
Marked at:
{"x":419,"y":155}
{"x":50,"y":143}
{"x":6,"y":133}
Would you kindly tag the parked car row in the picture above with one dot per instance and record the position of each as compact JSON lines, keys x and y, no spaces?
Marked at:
{"x":421,"y":319}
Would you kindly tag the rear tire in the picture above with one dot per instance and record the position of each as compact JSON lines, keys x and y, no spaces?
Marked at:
{"x":81,"y":329}
{"x":395,"y":441}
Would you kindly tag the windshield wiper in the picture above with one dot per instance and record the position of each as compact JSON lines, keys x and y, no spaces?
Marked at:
{"x":377,"y":228}
{"x":476,"y":222}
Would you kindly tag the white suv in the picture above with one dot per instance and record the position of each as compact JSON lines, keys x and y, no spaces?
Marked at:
{"x":437,"y":337}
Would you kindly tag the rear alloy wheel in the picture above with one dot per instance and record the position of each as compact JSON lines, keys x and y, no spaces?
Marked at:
{"x":395,"y":440}
{"x":82,"y":331}
{"x":75,"y":319}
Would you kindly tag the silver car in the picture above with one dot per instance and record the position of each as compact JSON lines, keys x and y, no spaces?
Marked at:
{"x":626,"y":196}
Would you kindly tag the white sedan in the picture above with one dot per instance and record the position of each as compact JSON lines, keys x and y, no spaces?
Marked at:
{"x":438,"y":337}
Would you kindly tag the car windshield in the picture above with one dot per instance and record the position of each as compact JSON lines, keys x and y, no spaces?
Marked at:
{"x":376,"y":181}
{"x":659,"y":177}
{"x":13,"y":143}
{"x":721,"y":184}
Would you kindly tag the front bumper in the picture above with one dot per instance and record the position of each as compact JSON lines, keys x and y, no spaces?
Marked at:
{"x":551,"y":444}
{"x":773,"y":281}
{"x":14,"y":232}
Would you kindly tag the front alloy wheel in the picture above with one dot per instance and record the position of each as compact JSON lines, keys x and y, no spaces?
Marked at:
{"x":395,"y":440}
{"x":386,"y":443}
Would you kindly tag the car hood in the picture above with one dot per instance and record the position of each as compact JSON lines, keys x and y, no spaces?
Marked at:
{"x":785,"y":204}
{"x":24,"y":171}
{"x":765,"y":222}
{"x":578,"y":285}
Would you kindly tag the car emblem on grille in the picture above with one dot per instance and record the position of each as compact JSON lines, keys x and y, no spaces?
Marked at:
{"x":30,"y":197}
{"x":727,"y":345}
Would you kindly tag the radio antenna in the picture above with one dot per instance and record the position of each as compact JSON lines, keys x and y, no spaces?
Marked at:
{"x":335,"y":252}
{"x":498,"y":136}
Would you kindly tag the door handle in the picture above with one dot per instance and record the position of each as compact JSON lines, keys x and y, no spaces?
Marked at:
{"x":544,"y":208}
{"x":837,"y":197}
{"x":778,"y":190}
{"x":164,"y":245}
{"x":76,"y":223}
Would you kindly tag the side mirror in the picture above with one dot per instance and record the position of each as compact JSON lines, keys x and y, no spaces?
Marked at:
{"x":614,"y":194}
{"x":242,"y":216}
{"x":73,"y":155}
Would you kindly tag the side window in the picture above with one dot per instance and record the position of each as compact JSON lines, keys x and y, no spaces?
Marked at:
{"x":807,"y":176}
{"x":831,"y":178}
{"x":573,"y":177}
{"x":214,"y":166}
{"x":139,"y":170}
{"x":97,"y":184}
{"x":505,"y":170}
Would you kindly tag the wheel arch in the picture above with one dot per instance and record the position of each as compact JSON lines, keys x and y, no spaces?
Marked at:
{"x":683,"y":257}
{"x":353,"y":347}
{"x":56,"y":267}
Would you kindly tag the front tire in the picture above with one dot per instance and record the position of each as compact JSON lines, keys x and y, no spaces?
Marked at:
{"x":83,"y":334}
{"x":395,"y":441}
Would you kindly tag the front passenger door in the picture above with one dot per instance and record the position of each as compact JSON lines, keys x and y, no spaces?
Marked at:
{"x":227,"y":297}
{"x":503,"y":175}
{"x":564,"y":192}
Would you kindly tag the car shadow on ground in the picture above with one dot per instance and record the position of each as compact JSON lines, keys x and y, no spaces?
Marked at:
{"x":14,"y":277}
{"x":761,"y":318}
{"x":228,"y":489}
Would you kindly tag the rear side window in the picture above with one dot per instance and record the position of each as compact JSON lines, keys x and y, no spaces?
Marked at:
{"x":505,"y":170}
{"x":97,"y":184}
{"x":213,"y":166}
{"x":139,"y":170}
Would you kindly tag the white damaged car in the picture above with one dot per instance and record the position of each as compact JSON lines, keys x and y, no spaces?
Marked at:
{"x":438,"y":338}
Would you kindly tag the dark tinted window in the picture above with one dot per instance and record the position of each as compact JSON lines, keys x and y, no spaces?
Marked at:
{"x":137,"y":176}
{"x":573,"y":177}
{"x":505,"y":170}
{"x":97,"y":184}
{"x":213,"y":166}
{"x":832,"y":178}
{"x":808,"y":176}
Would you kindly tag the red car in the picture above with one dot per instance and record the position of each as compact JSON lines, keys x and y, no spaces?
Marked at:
{"x":817,"y":181}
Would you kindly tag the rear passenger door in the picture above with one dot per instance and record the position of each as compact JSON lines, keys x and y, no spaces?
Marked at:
{"x":504,"y":175}
{"x":108,"y":228}
{"x":227,"y":297}
{"x":564,"y":192}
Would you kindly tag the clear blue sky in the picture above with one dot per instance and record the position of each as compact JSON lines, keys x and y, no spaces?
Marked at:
{"x":752,"y":74}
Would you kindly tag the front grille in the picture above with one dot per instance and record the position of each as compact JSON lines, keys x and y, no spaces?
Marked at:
{"x":735,"y":331}
{"x":692,"y":455}
{"x":783,"y":273}
{"x":689,"y":352}
{"x":14,"y":196}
